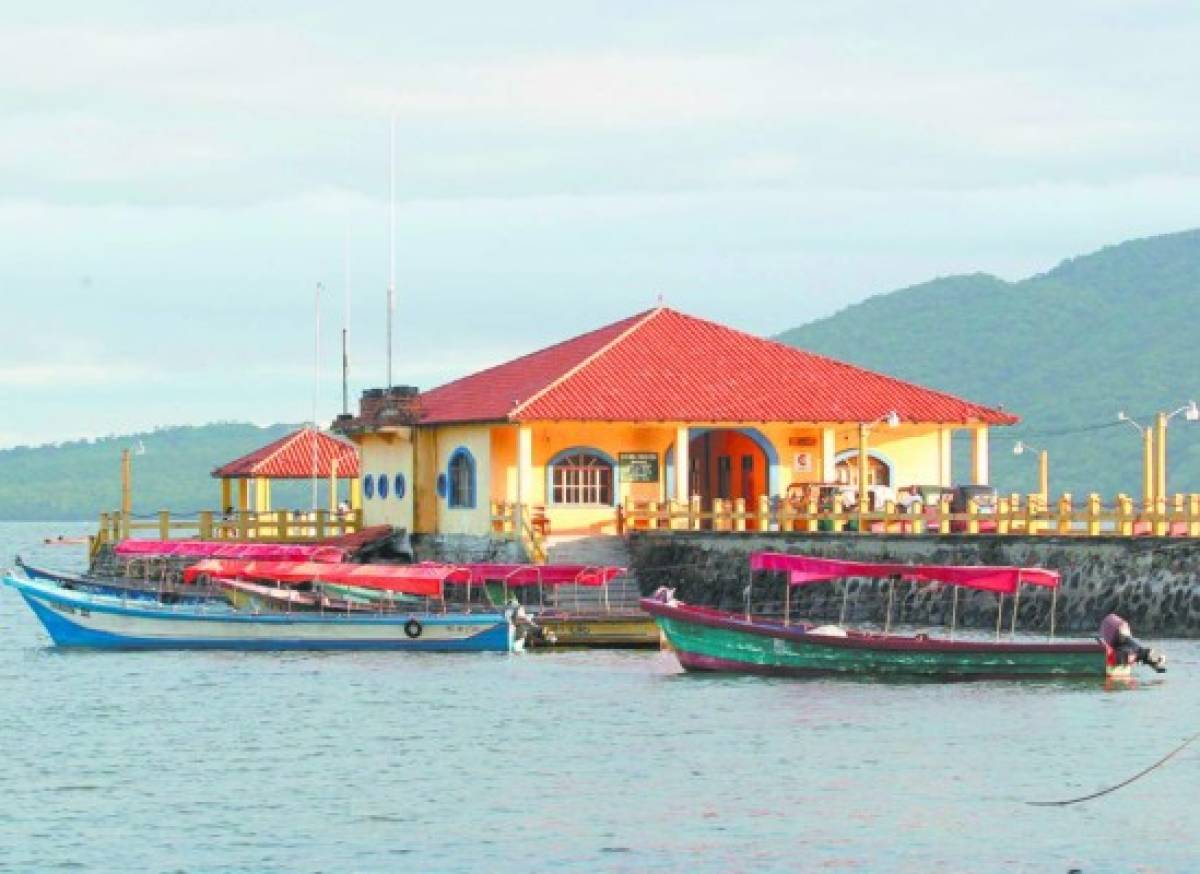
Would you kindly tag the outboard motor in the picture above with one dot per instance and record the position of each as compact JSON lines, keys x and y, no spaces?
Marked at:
{"x":1115,"y":633}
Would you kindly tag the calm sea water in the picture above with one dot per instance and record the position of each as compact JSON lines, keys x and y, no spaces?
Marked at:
{"x":575,"y":761}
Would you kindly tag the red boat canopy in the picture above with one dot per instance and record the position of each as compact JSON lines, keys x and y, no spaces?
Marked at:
{"x":803,"y":569}
{"x":547,"y":574}
{"x":425,"y":579}
{"x":217,"y":549}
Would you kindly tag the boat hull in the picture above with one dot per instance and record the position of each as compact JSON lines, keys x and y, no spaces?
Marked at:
{"x":710,"y":640}
{"x":81,"y":620}
{"x":617,"y":631}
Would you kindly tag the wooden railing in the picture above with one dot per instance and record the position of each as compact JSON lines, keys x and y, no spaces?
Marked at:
{"x":270,"y":527}
{"x":517,"y":521}
{"x":1013,"y":514}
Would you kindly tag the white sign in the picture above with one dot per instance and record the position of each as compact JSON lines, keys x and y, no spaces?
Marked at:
{"x":802,"y":462}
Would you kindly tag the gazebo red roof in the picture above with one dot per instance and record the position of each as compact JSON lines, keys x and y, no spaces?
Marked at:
{"x":292,"y":457}
{"x":662,"y":366}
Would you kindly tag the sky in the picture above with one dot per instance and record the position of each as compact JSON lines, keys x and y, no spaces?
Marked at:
{"x":176,"y":179}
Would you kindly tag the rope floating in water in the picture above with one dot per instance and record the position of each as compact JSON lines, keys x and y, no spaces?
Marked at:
{"x":1139,"y":775}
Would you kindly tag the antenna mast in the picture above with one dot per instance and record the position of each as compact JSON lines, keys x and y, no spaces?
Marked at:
{"x":391,"y":293}
{"x":346,"y":327}
{"x":316,"y":385}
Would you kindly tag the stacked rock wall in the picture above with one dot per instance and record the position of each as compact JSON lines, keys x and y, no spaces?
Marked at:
{"x":1153,"y":582}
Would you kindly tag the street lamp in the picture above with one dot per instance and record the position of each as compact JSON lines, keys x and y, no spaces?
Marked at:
{"x":892,"y":418}
{"x":1191,"y":413}
{"x":1043,"y":467}
{"x":1147,"y":459}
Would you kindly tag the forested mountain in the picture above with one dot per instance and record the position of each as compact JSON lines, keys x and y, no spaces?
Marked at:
{"x":1065,"y":350}
{"x":79,"y":479}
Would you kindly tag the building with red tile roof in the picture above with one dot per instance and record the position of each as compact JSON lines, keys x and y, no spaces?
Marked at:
{"x":306,"y":453}
{"x":661,"y":406}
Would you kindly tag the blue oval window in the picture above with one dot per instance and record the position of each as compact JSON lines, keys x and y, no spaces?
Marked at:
{"x":441,"y":485}
{"x":399,"y":487}
{"x":369,"y":486}
{"x":383,"y":486}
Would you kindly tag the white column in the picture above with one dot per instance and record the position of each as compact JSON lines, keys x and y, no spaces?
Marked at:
{"x":682,"y":466}
{"x":828,"y":455}
{"x":945,"y":456}
{"x":524,"y":468}
{"x":979,"y":456}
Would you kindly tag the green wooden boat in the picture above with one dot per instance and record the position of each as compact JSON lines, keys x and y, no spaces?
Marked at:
{"x":705,"y":639}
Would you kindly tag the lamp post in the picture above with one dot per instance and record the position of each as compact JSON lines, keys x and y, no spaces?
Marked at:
{"x":864,"y":428}
{"x":1147,"y":460}
{"x":1043,"y":468}
{"x":1192,"y":414}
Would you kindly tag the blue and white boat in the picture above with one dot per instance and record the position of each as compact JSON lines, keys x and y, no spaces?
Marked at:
{"x":127,"y":589}
{"x":84,"y":619}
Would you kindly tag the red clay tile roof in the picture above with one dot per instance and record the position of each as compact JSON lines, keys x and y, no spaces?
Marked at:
{"x":291,"y":457}
{"x":663,"y":365}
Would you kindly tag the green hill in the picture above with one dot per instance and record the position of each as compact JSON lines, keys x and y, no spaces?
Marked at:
{"x":1065,"y":350}
{"x":77,"y":480}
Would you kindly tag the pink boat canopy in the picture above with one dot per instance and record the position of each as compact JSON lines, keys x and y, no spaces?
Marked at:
{"x":422,"y":579}
{"x":803,"y":570}
{"x":515,"y":575}
{"x":216,"y":549}
{"x":391,"y":576}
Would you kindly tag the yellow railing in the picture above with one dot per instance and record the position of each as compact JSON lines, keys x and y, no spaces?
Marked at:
{"x":1013,"y":514}
{"x":270,"y":527}
{"x":520,"y":522}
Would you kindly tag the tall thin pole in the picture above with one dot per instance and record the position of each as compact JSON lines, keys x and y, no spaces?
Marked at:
{"x":1148,"y":468}
{"x":346,"y":326}
{"x":316,"y":399}
{"x":1160,"y":466}
{"x":391,"y":293}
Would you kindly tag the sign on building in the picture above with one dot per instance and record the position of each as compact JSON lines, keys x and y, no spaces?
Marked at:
{"x":638,"y":467}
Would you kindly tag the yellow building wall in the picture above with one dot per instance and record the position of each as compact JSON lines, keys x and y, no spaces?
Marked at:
{"x":914,"y":451}
{"x":386,"y":456}
{"x":476,"y":439}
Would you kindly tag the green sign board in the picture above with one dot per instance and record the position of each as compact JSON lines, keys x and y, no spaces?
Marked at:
{"x":639,"y":467}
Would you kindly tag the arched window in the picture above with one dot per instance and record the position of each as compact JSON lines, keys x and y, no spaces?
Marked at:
{"x":400,"y":487}
{"x":383,"y":486}
{"x":369,"y":486}
{"x":582,"y":477}
{"x":460,"y":476}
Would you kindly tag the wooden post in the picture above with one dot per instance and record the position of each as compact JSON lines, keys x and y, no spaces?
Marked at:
{"x":1148,"y":470}
{"x":1124,"y":515}
{"x":889,"y":516}
{"x":206,"y":525}
{"x":764,"y":513}
{"x":694,"y":510}
{"x":1044,"y":475}
{"x":917,"y":511}
{"x":1065,"y":506}
{"x":1160,"y":461}
{"x":1032,"y":508}
{"x":972,"y":516}
{"x":126,"y":488}
{"x":739,"y":514}
{"x":322,"y":523}
{"x":164,"y":524}
{"x":1194,"y":515}
{"x":652,"y":512}
{"x":1003,"y":511}
{"x":837,"y":524}
{"x":813,"y":510}
{"x":333,"y":486}
{"x":281,"y":524}
{"x":243,"y":522}
{"x":1093,"y":510}
{"x":356,"y":493}
{"x":1160,"y":515}
{"x":226,"y":495}
{"x":944,"y":516}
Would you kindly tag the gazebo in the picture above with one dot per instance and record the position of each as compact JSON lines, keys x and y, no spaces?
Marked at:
{"x":306,"y":453}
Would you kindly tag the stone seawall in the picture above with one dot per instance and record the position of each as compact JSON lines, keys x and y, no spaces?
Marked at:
{"x":1153,"y":582}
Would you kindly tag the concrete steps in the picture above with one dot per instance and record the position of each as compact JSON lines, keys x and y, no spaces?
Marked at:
{"x":597,"y":550}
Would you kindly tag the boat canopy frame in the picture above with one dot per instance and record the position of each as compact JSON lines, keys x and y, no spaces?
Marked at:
{"x":803,"y":570}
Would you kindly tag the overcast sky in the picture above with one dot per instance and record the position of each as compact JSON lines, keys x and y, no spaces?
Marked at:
{"x":176,"y":178}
